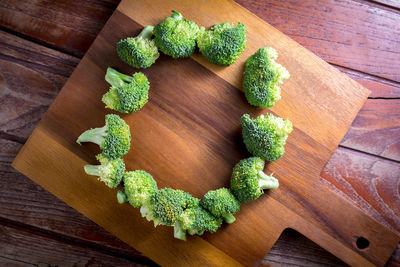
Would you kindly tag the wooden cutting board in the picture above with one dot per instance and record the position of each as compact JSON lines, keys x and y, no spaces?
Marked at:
{"x":188,"y":137}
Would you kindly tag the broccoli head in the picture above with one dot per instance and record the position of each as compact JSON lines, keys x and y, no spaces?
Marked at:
{"x":114,"y":138}
{"x":175,"y":36}
{"x":223,"y":43}
{"x":127,"y":94}
{"x":166,"y":205}
{"x":266,"y":136}
{"x":140,"y":51}
{"x":139,"y":186}
{"x":221,"y":203}
{"x":248,"y":179}
{"x":262,"y":77}
{"x":109,"y":171}
{"x":195,"y":221}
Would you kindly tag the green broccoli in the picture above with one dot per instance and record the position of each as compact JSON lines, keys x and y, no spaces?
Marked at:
{"x":109,"y":171}
{"x":140,"y":51}
{"x":139,"y":185}
{"x":195,"y":220}
{"x":127,"y":94}
{"x":166,"y":205}
{"x":221,"y":203}
{"x":265,"y":136}
{"x":248,"y":179}
{"x":223,"y":43}
{"x":114,"y":138}
{"x":262,"y":77}
{"x":175,"y":36}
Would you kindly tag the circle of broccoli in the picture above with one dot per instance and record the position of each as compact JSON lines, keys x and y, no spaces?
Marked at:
{"x":262,"y":77}
{"x":175,"y":36}
{"x":265,"y":136}
{"x":140,"y":51}
{"x":249,"y":180}
{"x":221,"y":203}
{"x":114,"y":138}
{"x":127,"y":94}
{"x":223,"y":43}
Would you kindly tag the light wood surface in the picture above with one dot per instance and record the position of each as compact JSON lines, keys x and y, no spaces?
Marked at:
{"x":207,"y":144}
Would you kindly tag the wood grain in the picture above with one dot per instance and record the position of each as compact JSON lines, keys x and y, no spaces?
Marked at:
{"x":387,"y":91}
{"x":291,"y":55}
{"x":348,"y":33}
{"x":21,"y":247}
{"x":27,"y":203}
{"x":183,"y":135}
{"x":380,"y":88}
{"x":370,"y":182}
{"x":48,"y":22}
{"x":329,"y":20}
{"x":376,"y":130}
{"x":389,"y":3}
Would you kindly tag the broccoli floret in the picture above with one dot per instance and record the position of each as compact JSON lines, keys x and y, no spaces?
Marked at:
{"x":221,"y":203}
{"x":223,"y":43}
{"x":262,"y":77}
{"x":127,"y":94}
{"x":166,"y":205}
{"x":175,"y":36}
{"x":109,"y":171}
{"x":114,"y":138}
{"x":139,"y":186}
{"x":140,"y":51}
{"x":196,"y":221}
{"x":266,"y":136}
{"x":248,"y":179}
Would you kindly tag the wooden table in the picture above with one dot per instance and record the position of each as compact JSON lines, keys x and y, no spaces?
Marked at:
{"x":42,"y":41}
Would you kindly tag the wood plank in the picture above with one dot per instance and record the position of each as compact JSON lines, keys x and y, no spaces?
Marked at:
{"x":21,"y":246}
{"x":389,"y":3}
{"x":182,"y":130}
{"x":329,"y":36}
{"x":376,"y":129}
{"x":348,"y":33}
{"x":380,"y":88}
{"x":25,"y":97}
{"x":70,"y":26}
{"x":369,"y":182}
{"x":304,"y":253}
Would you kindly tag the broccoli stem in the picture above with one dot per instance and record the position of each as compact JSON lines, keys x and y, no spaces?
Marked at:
{"x":146,"y":212}
{"x":92,"y":169}
{"x":116,"y":78}
{"x":147,"y":32}
{"x":122,"y":197}
{"x":179,"y":233}
{"x":267,"y":181}
{"x":95,"y":135}
{"x":229,"y":218}
{"x":176,"y":15}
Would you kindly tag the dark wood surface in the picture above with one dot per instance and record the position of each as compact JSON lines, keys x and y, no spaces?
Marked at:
{"x":43,"y":42}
